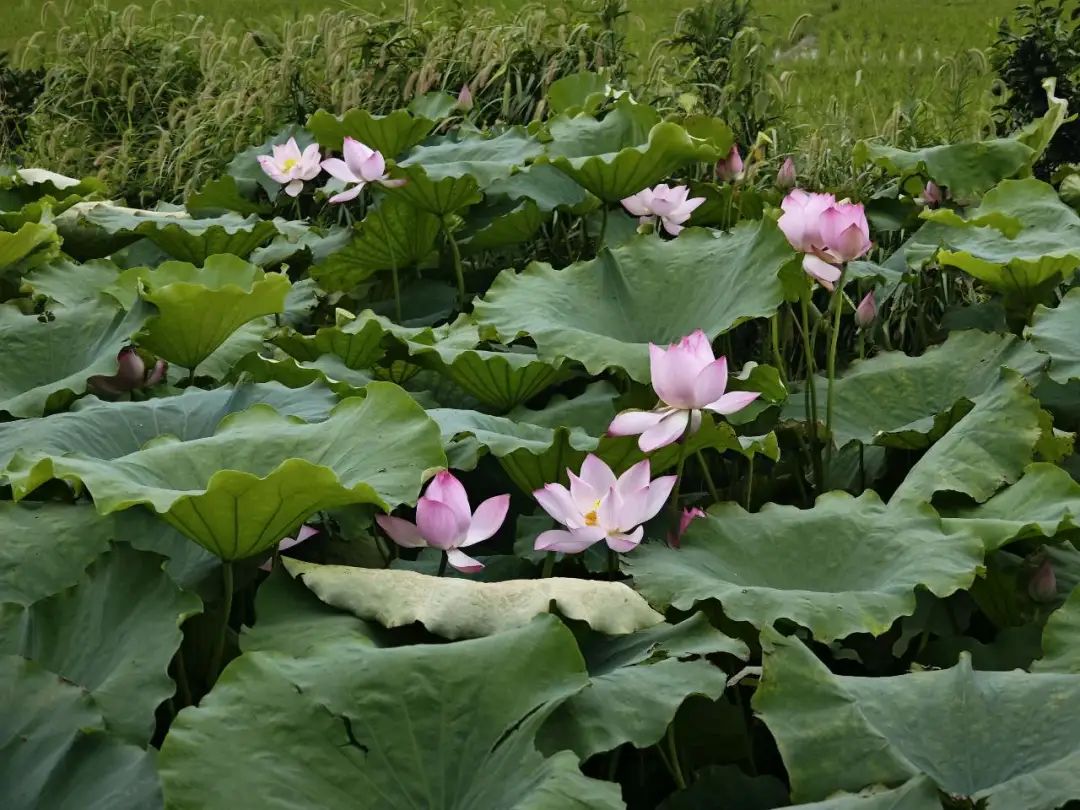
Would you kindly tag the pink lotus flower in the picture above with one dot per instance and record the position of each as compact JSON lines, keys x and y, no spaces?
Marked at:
{"x":465,"y":98}
{"x":687,"y":378}
{"x":669,"y":204}
{"x":362,"y":165}
{"x":786,"y":176}
{"x":830,"y":233}
{"x":866,"y":312}
{"x":291,"y":167}
{"x":304,"y":533}
{"x":598,"y":506}
{"x":730,"y":168}
{"x":688,"y":516}
{"x":130,"y":374}
{"x":932,"y":195}
{"x":444,"y":520}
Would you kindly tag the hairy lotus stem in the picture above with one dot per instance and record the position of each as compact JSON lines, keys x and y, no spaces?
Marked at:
{"x":834,"y":336}
{"x":459,"y":272}
{"x":549,"y":565}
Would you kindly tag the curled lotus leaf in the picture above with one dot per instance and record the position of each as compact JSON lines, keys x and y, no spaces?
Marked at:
{"x":461,"y":608}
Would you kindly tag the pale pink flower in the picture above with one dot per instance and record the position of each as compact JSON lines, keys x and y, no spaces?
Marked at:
{"x":688,"y":516}
{"x":932,"y":195}
{"x":362,"y":165}
{"x":598,"y":506}
{"x":730,"y":168}
{"x":687,"y":378}
{"x":131,"y":373}
{"x":668,"y":204}
{"x":444,"y":520}
{"x":866,"y":312}
{"x":786,"y":176}
{"x":305,"y":532}
{"x":830,"y":233}
{"x":465,"y":98}
{"x":291,"y":167}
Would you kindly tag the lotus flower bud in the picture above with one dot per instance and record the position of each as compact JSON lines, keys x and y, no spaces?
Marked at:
{"x":465,"y":98}
{"x":866,"y":312}
{"x":932,"y":195}
{"x":687,"y":517}
{"x":1042,"y":587}
{"x":730,"y":168}
{"x":131,"y":370}
{"x":786,"y":177}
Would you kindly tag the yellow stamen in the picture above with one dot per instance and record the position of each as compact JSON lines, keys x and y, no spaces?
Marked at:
{"x":590,"y":518}
{"x":289,"y":164}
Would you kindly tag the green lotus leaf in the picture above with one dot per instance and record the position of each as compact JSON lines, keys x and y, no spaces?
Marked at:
{"x":248,"y":338}
{"x":55,"y":751}
{"x":545,"y":185}
{"x":1060,"y":653}
{"x":448,"y":195}
{"x":358,"y":341}
{"x":604,"y":312}
{"x":848,"y":565}
{"x":626,"y":124}
{"x":390,"y":134}
{"x":394,"y":235}
{"x":69,"y":283}
{"x":176,"y":232}
{"x":578,"y":92}
{"x":985,"y":450}
{"x":200,"y":307}
{"x":31,"y":245}
{"x":435,"y":104}
{"x":1043,"y":503}
{"x":1020,"y":240}
{"x":113,"y":634}
{"x":965,"y":169}
{"x":649,"y":670}
{"x":1038,"y":133}
{"x":220,"y":197}
{"x":299,"y":251}
{"x":897,"y":400}
{"x":108,"y":430}
{"x":484,"y":159}
{"x":319,"y":731}
{"x":328,"y":370}
{"x":891,"y":729}
{"x":498,"y":225}
{"x":611,"y":176}
{"x":45,"y":363}
{"x":454,"y":607}
{"x":1054,"y":331}
{"x":917,"y":794}
{"x":261,"y":474}
{"x":46,"y":548}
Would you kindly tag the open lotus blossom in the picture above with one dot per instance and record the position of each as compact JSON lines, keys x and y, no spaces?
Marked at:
{"x":830,"y":233}
{"x":730,"y":168}
{"x":131,"y":373}
{"x":291,"y":167}
{"x":305,"y":532}
{"x":687,"y":378}
{"x":668,"y":204}
{"x":688,"y":516}
{"x":786,"y":176}
{"x":362,"y":165}
{"x":598,"y":506}
{"x":444,"y":520}
{"x":866,"y":312}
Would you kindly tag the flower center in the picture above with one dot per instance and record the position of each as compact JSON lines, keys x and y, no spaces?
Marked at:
{"x":590,"y":517}
{"x":289,"y":164}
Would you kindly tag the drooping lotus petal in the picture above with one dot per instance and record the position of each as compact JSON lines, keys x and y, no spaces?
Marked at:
{"x":732,"y":402}
{"x":294,"y":188}
{"x":157,"y":373}
{"x":827,"y":274}
{"x":304,"y":533}
{"x":633,"y":423}
{"x":439,"y":525}
{"x":348,"y":194}
{"x":401,"y":531}
{"x":463,"y":562}
{"x":487,"y":519}
{"x":569,"y":542}
{"x":638,"y":204}
{"x":666,"y":432}
{"x":623,"y":543}
{"x":336,"y":167}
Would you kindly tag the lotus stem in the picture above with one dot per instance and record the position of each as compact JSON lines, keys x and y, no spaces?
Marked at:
{"x":834,"y":339}
{"x":191,"y":376}
{"x":750,"y":484}
{"x":397,"y":293}
{"x":227,"y":592}
{"x":778,"y":357}
{"x":549,"y":565}
{"x":810,"y":394}
{"x":613,"y":563}
{"x":676,"y":768}
{"x":603,"y":228}
{"x":442,"y":564}
{"x":678,"y":481}
{"x":708,"y":476}
{"x":459,"y":272}
{"x":182,"y":684}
